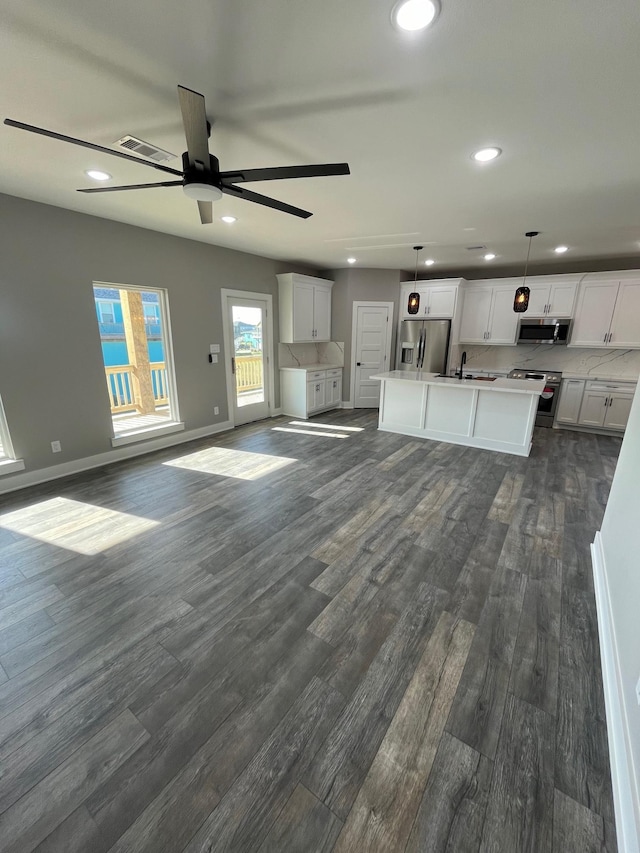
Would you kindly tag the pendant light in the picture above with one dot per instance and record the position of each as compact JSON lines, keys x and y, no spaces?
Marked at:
{"x":414,"y":298}
{"x":521,"y":299}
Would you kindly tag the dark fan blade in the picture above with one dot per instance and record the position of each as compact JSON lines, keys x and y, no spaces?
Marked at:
{"x":194,"y":119}
{"x":206,"y":212}
{"x":130,"y":187}
{"x":239,"y":192}
{"x":90,"y":145}
{"x":281,"y":172}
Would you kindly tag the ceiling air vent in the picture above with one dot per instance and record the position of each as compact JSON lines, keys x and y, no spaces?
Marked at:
{"x":475,"y":248}
{"x":144,"y":149}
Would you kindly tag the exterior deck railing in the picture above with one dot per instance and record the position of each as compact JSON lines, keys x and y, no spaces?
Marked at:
{"x":248,"y":372}
{"x":120,"y":385}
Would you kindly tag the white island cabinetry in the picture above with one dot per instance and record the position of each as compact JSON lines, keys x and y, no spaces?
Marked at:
{"x":496,"y":415}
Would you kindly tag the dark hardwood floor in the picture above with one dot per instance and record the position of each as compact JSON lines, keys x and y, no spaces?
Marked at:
{"x":313,"y":637}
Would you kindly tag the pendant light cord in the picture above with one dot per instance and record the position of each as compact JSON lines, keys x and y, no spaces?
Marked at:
{"x":417,"y":250}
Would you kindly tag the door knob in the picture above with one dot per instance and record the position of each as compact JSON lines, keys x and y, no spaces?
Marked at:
{"x":358,"y":364}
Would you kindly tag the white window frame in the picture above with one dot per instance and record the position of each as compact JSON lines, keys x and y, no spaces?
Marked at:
{"x":175,"y":424}
{"x":8,"y":462}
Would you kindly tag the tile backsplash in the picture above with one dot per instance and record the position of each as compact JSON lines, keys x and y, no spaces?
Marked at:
{"x":610,"y":363}
{"x":297,"y":355}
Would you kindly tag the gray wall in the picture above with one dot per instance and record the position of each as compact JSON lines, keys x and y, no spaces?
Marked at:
{"x":52,"y":378}
{"x":360,"y":285}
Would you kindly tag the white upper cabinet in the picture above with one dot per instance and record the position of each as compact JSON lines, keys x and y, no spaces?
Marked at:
{"x":488,"y":316}
{"x":625,"y":326}
{"x":608,"y":315}
{"x":305,"y":308}
{"x":475,"y":315}
{"x":437,"y":299}
{"x":551,"y":296}
{"x":322,"y":313}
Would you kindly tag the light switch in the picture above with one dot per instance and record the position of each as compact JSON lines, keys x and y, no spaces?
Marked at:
{"x":214,"y":359}
{"x":214,"y":348}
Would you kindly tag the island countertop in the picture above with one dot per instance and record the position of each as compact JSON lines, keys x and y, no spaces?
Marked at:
{"x":510,"y":386}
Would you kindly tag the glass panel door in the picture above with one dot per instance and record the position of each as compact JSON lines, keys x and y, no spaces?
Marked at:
{"x":250,"y":391}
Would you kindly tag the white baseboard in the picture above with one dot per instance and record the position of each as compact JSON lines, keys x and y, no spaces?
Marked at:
{"x":76,"y":466}
{"x":626,"y":796}
{"x":346,"y":404}
{"x":275,"y":413}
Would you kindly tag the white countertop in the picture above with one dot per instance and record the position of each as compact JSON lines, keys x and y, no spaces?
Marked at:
{"x":312,"y":367}
{"x":511,"y":386}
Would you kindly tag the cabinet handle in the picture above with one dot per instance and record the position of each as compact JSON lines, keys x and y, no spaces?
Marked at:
{"x":488,"y":336}
{"x":610,"y":336}
{"x":605,"y":338}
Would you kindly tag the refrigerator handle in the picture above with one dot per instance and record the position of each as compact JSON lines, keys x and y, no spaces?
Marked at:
{"x":421,"y":345}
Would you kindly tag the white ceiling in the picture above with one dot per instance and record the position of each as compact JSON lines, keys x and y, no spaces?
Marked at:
{"x":554,"y":84}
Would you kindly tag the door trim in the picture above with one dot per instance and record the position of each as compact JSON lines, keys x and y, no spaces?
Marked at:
{"x":354,"y":328}
{"x":269,"y":372}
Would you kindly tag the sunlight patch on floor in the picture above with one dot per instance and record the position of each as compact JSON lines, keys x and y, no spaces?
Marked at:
{"x":231,"y":463}
{"x":326,"y":426}
{"x":311,"y":432}
{"x":77,"y":526}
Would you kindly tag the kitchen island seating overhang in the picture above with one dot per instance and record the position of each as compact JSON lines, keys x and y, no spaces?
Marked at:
{"x":497,"y":415}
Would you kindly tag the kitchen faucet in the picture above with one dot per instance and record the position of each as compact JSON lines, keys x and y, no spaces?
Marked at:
{"x":463,"y":361}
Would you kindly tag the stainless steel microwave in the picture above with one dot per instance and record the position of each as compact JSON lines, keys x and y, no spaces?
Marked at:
{"x":543,"y":331}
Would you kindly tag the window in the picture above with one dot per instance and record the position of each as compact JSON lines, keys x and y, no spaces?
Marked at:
{"x":8,"y":462}
{"x":136,"y":351}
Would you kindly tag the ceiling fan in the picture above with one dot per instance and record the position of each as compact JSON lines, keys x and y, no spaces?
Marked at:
{"x":201,"y":178}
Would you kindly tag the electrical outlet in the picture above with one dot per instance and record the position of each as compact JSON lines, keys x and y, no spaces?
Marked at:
{"x":214,"y":359}
{"x":216,"y":410}
{"x":56,"y":447}
{"x":638,"y":691}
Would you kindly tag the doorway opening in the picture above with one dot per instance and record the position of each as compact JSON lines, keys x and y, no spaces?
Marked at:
{"x":249,"y":355}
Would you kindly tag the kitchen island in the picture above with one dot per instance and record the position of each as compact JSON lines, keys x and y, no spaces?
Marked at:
{"x":496,"y":414}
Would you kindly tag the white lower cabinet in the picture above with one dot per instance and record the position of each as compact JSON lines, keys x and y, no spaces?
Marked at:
{"x":595,"y":404}
{"x":571,"y":393}
{"x":316,"y":394}
{"x":305,"y":392}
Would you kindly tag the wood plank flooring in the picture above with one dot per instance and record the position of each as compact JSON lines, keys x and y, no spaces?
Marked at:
{"x":287,"y":641}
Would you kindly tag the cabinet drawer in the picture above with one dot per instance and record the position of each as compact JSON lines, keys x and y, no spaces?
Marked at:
{"x":619,"y":387}
{"x":316,"y":374}
{"x":334,"y":373}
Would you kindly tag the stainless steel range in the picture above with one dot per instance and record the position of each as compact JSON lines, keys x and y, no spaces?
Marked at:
{"x":549,"y":397}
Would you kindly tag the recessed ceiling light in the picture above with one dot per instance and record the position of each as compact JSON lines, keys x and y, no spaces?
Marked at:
{"x":98,"y":175}
{"x":229,"y":219}
{"x":351,"y":260}
{"x":429,"y":262}
{"x":486,"y":154}
{"x":561,"y":249}
{"x":489,"y":256}
{"x":413,"y":15}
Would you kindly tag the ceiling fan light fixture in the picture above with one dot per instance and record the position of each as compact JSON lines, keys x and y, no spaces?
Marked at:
{"x":97,"y":175}
{"x":485,"y":155}
{"x":429,"y":262}
{"x":489,"y":256}
{"x":351,"y":260}
{"x":560,"y":250}
{"x":415,"y":15}
{"x":202,"y":192}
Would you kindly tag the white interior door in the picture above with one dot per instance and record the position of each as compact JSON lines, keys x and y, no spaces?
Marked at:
{"x":247,"y":343}
{"x":371,"y":350}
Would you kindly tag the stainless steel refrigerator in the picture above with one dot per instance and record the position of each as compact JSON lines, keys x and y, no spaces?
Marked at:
{"x":423,"y":345}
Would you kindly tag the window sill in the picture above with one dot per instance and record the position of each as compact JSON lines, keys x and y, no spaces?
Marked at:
{"x":10,"y":466}
{"x":145,"y":434}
